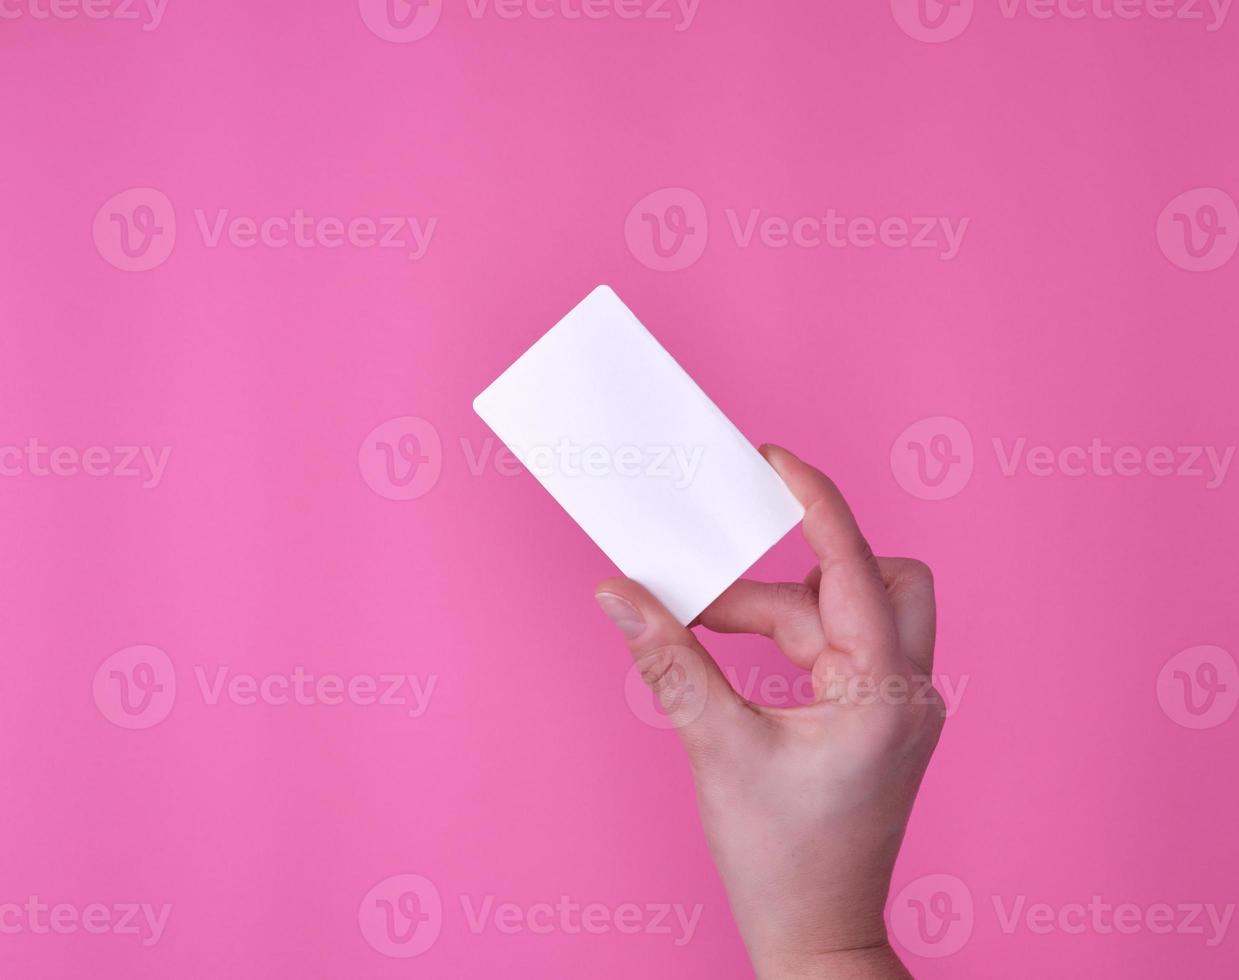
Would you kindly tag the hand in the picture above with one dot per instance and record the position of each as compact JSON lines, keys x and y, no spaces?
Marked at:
{"x":805,"y":807}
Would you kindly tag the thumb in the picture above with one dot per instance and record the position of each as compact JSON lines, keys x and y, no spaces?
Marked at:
{"x":692,"y":693}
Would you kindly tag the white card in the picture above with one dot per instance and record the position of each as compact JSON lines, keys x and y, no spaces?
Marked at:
{"x":639,"y":456}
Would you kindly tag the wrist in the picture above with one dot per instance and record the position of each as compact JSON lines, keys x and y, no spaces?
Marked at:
{"x":877,"y":961}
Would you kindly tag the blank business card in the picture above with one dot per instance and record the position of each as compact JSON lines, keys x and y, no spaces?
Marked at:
{"x":639,"y":456}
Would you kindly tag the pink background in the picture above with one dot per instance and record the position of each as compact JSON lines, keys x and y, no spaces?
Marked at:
{"x":529,"y":777}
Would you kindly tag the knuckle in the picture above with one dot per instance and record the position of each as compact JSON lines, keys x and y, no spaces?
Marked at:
{"x":657,"y":666}
{"x":914,"y":719}
{"x":919,"y":572}
{"x":936,"y":707}
{"x":910,"y":575}
{"x":795,"y":595}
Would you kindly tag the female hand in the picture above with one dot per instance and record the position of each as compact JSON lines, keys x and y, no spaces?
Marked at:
{"x":805,"y":807}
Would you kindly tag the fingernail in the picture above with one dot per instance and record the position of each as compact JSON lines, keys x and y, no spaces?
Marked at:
{"x":622,"y":613}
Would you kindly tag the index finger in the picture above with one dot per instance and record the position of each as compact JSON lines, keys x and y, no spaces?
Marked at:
{"x":857,"y":617}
